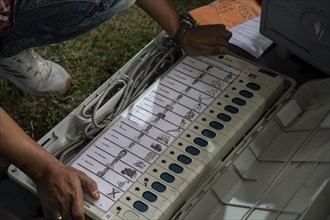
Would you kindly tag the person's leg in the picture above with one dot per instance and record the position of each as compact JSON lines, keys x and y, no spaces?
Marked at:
{"x":45,"y":22}
{"x":41,"y":22}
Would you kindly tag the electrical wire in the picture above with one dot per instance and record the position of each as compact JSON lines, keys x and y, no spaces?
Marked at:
{"x":98,"y":104}
{"x":137,"y":75}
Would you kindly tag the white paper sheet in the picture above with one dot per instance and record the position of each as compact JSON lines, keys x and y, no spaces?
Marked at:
{"x":125,"y":151}
{"x":248,"y":37}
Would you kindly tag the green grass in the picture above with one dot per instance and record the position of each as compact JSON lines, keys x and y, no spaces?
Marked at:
{"x":90,"y":59}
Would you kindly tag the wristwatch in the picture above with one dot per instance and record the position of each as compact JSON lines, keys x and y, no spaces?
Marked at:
{"x":185,"y":25}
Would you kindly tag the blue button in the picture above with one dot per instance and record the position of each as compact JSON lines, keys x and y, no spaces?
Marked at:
{"x":140,"y":206}
{"x":231,"y":109}
{"x":158,"y":187}
{"x":184,"y":159}
{"x":224,"y":117}
{"x":149,"y":196}
{"x":192,"y":150}
{"x":176,"y":168}
{"x":208,"y":133}
{"x":200,"y":142}
{"x":253,"y":86}
{"x":216,"y":125}
{"x":246,"y":94}
{"x":238,"y":101}
{"x":167,"y":177}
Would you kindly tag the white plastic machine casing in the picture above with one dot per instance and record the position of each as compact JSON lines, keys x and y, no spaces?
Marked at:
{"x":280,"y":172}
{"x":278,"y":169}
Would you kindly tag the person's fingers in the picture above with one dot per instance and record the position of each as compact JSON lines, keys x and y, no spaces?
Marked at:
{"x":50,"y":212}
{"x":213,"y":26}
{"x":224,"y":33}
{"x":218,"y":29}
{"x":77,"y":207}
{"x":216,"y":37}
{"x":56,"y":215}
{"x":216,"y":50}
{"x":90,"y":185}
{"x":228,"y":35}
{"x":64,"y":205}
{"x":221,"y":51}
{"x":208,"y":50}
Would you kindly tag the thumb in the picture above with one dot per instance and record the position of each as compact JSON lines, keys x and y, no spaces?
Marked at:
{"x":90,"y":185}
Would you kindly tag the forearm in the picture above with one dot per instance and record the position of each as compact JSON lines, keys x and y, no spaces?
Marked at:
{"x":163,"y":13}
{"x":18,"y":148}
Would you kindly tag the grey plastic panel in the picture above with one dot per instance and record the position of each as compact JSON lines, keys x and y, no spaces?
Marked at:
{"x":281,"y":173}
{"x":299,"y":27}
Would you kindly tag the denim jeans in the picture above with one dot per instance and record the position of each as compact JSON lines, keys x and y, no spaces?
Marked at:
{"x":41,"y":22}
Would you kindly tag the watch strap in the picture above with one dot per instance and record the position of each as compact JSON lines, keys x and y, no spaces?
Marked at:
{"x":185,"y":25}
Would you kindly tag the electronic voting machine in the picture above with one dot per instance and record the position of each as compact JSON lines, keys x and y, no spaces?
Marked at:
{"x":210,"y":138}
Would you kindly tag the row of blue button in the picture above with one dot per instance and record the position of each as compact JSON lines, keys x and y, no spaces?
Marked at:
{"x":159,"y":187}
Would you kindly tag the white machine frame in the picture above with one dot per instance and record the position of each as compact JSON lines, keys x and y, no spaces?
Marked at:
{"x":239,"y":173}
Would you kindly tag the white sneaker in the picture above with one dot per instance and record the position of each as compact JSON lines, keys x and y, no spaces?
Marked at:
{"x":34,"y":74}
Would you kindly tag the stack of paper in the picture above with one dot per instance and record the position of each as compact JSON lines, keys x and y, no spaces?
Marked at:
{"x":242,"y":18}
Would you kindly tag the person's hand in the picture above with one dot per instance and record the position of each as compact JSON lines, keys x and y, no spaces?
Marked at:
{"x":206,"y":40}
{"x":61,"y":192}
{"x":60,"y":188}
